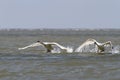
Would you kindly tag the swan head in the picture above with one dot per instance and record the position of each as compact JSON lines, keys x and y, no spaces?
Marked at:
{"x":95,"y":43}
{"x":112,"y":47}
{"x":39,"y":41}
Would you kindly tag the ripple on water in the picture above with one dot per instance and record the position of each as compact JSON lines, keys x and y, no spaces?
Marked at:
{"x":59,"y":66}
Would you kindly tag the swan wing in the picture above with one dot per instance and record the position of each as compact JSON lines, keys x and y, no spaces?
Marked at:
{"x":60,"y":46}
{"x":64,"y":49}
{"x":86,"y":43}
{"x":31,"y":45}
{"x":54,"y":43}
{"x":108,"y":43}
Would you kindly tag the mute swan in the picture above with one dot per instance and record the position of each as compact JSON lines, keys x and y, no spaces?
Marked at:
{"x":48,"y":45}
{"x":100,"y":46}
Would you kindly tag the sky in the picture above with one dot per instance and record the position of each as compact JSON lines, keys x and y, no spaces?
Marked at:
{"x":59,"y":14}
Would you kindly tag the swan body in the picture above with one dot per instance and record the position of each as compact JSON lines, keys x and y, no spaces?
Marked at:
{"x":100,"y":46}
{"x":48,"y":45}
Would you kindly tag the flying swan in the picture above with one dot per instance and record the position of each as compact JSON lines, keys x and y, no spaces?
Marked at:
{"x":48,"y":45}
{"x":100,"y":46}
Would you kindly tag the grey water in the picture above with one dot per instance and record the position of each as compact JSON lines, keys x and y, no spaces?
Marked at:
{"x":35,"y":64}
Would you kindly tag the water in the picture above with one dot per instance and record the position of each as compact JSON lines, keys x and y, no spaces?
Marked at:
{"x":35,"y":64}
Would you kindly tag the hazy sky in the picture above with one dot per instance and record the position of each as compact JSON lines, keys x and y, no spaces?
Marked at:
{"x":59,"y":13}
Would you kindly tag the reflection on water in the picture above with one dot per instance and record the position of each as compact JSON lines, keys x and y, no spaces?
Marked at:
{"x":35,"y":64}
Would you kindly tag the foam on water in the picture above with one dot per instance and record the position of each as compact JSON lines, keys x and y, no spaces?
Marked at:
{"x":93,"y":48}
{"x":58,"y":50}
{"x":69,"y":49}
{"x":116,"y":50}
{"x":87,"y":48}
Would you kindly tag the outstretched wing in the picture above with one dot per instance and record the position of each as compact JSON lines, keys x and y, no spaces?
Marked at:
{"x":64,"y":49}
{"x":54,"y":43}
{"x":32,"y":45}
{"x":84,"y":45}
{"x":107,"y":44}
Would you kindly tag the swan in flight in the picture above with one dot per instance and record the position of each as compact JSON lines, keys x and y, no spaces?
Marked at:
{"x":100,"y":46}
{"x":48,"y":45}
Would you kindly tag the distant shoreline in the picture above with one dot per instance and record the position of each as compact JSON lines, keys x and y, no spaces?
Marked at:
{"x":60,"y":32}
{"x":73,"y":29}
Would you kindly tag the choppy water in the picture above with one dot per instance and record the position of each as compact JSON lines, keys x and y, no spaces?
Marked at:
{"x":35,"y":64}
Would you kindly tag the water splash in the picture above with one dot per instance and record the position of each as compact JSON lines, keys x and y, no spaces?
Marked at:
{"x":69,"y":49}
{"x":56,"y":50}
{"x":116,"y":50}
{"x":93,"y":48}
{"x":87,"y":48}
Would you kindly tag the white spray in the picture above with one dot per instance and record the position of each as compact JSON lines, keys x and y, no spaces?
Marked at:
{"x":116,"y":50}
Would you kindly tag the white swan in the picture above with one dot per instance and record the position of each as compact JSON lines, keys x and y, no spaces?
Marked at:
{"x":48,"y":45}
{"x":100,"y":46}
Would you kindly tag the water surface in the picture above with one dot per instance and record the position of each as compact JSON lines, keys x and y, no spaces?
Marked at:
{"x":35,"y":64}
